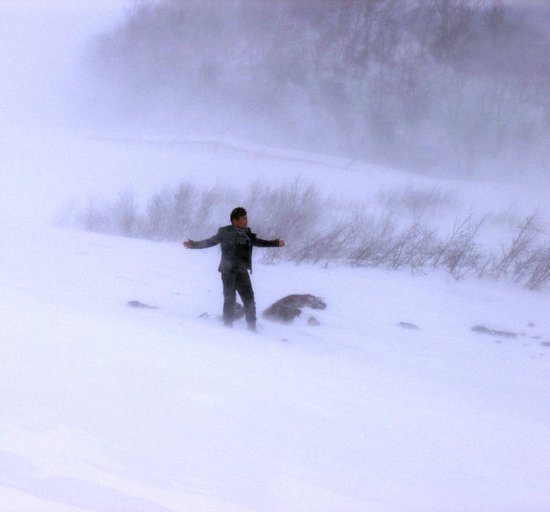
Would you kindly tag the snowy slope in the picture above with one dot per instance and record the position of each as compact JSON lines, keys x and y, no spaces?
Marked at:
{"x":109,"y":408}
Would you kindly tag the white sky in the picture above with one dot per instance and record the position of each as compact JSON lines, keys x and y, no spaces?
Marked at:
{"x":99,"y":5}
{"x":40,"y":45}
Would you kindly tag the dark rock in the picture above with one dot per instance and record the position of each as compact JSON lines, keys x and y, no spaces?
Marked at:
{"x":408,"y":325}
{"x":492,"y":332}
{"x":289,"y":307}
{"x":313,"y":321}
{"x":139,"y":305}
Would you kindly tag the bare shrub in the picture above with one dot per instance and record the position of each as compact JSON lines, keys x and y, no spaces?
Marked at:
{"x":124,"y":214}
{"x":326,"y":246}
{"x":203,"y":213}
{"x":459,"y":253}
{"x":413,"y":247}
{"x":538,"y":265}
{"x":158,"y":214}
{"x":183,"y":200}
{"x":94,"y":217}
{"x":518,"y":250}
{"x":299,"y":214}
{"x":295,"y":207}
{"x":373,"y":237}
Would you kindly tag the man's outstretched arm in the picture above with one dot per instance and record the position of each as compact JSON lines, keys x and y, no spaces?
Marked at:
{"x":202,"y":244}
{"x":258,"y":242}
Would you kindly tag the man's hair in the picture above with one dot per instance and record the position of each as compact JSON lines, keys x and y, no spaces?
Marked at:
{"x":237,"y":213}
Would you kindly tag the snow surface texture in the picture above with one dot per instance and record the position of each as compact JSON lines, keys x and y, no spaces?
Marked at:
{"x":112,"y":408}
{"x":117,"y":409}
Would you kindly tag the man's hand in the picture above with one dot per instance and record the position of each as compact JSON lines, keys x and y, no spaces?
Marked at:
{"x":188,"y":244}
{"x":281,"y":243}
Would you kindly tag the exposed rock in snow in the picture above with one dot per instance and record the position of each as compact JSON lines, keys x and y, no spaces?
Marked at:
{"x":289,"y":307}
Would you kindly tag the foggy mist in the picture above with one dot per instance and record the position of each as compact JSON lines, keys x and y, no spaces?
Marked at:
{"x":42,"y":44}
{"x":454,"y":86}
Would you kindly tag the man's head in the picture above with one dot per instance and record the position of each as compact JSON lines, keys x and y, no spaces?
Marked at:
{"x":238,"y":218}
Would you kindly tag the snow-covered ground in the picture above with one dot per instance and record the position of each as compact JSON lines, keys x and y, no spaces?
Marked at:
{"x":108,"y":408}
{"x":111,"y":408}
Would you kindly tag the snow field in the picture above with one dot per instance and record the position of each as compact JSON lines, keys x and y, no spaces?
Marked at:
{"x":113,"y":408}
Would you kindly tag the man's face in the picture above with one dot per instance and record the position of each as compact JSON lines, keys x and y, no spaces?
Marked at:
{"x":241,"y":222}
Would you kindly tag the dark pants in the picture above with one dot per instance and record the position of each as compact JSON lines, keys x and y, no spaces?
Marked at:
{"x":238,"y":281}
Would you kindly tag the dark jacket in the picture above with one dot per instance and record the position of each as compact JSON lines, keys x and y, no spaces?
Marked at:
{"x":236,"y":246}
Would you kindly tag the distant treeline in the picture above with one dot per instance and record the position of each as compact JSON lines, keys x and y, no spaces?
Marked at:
{"x":425,"y":84}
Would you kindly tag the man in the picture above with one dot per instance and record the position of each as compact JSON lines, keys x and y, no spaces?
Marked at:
{"x":237,"y":241}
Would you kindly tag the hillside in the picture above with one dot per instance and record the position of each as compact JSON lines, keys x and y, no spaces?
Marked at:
{"x":116,"y":409}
